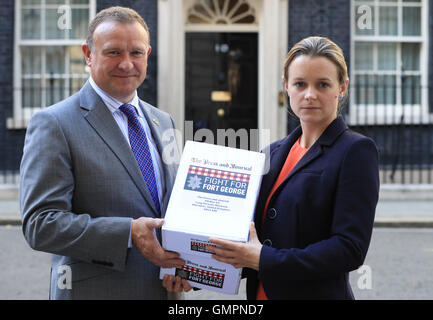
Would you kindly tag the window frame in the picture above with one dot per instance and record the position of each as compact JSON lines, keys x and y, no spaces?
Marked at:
{"x":383,"y":114}
{"x":21,"y":114}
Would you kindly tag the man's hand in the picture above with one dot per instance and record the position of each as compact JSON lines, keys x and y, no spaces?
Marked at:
{"x":175,"y":284}
{"x":144,"y":238}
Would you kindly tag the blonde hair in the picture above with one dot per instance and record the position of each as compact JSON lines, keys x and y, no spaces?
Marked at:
{"x":319,"y":47}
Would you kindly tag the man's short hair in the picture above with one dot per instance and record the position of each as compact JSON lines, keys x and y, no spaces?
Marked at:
{"x":119,"y":14}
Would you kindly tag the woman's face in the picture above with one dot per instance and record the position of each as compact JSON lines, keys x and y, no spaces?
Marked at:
{"x":314,"y":89}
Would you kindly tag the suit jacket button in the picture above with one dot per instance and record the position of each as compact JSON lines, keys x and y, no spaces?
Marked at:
{"x":272,"y":213}
{"x":267,"y":242}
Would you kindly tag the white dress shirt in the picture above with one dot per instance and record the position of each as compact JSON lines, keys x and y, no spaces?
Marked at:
{"x":122,"y":121}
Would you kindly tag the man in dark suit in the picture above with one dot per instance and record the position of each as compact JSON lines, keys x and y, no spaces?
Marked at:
{"x":95,"y":180}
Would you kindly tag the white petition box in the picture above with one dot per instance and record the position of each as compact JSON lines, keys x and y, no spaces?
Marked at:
{"x":214,"y":195}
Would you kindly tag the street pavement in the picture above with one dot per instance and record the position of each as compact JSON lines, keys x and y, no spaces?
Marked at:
{"x":398,"y":266}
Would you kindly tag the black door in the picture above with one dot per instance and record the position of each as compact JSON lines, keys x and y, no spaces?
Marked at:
{"x":221,"y":82}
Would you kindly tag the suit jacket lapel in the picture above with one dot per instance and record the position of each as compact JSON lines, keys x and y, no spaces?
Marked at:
{"x":100,"y":118}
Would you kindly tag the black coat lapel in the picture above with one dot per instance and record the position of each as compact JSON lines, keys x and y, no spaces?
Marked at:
{"x":328,"y":137}
{"x":278,"y":155}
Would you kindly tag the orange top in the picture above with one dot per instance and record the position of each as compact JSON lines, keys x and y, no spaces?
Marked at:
{"x":295,"y":154}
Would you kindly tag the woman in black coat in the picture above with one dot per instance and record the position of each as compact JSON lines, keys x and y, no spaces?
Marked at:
{"x":315,"y":212}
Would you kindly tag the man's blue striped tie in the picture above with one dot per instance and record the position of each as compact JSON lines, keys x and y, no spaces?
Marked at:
{"x":140,"y":148}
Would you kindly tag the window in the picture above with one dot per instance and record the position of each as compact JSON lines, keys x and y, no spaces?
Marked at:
{"x":389,"y":61}
{"x":221,"y":15}
{"x":221,"y":12}
{"x":48,"y":63}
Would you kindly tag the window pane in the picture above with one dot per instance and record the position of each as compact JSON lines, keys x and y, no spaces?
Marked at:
{"x":80,"y":22}
{"x":411,"y":89}
{"x":411,"y":21}
{"x":386,"y":90}
{"x":55,"y":60}
{"x":77,"y":62}
{"x":411,"y":56}
{"x":31,"y":60}
{"x":411,"y":0}
{"x":387,"y":56}
{"x":388,"y":21}
{"x":364,"y":20}
{"x":79,"y":1}
{"x":54,"y":90}
{"x":31,"y":24}
{"x":364,"y":56}
{"x":31,"y":93}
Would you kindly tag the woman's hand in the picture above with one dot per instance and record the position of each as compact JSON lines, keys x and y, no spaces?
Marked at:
{"x":178,"y":285}
{"x":238,"y":254}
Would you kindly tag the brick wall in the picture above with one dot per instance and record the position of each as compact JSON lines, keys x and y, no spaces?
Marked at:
{"x":429,"y":56}
{"x":319,"y":18}
{"x":11,"y":141}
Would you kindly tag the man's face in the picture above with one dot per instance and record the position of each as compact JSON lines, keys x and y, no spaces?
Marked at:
{"x":118,"y":60}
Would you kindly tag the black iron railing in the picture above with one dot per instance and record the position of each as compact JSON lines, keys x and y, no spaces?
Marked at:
{"x":400,"y":124}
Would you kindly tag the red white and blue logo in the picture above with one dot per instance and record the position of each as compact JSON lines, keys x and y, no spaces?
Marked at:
{"x":228,"y":183}
{"x":209,"y":278}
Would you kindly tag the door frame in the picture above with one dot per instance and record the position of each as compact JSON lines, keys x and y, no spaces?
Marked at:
{"x":272,"y":29}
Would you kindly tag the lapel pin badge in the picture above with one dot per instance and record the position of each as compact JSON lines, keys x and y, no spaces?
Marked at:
{"x":155,"y":121}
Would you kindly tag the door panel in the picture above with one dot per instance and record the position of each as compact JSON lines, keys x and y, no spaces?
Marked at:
{"x":221,"y":81}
